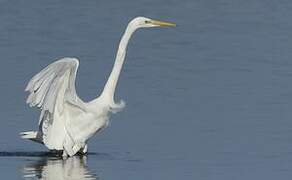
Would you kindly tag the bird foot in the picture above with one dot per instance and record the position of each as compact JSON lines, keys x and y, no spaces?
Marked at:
{"x":65,"y":154}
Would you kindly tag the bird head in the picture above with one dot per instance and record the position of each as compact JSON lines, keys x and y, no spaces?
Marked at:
{"x":143,"y":22}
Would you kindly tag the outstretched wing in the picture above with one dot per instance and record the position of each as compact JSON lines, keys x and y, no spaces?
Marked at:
{"x":49,"y":90}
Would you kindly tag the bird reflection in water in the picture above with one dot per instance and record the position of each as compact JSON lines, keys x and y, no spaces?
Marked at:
{"x":54,"y":168}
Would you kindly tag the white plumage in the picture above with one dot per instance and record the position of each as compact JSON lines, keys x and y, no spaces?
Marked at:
{"x":66,"y":122}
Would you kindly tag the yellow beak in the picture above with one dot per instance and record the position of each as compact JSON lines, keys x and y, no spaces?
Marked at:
{"x":162,"y":23}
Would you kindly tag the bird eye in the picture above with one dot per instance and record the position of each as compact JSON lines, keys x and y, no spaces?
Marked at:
{"x":147,"y":22}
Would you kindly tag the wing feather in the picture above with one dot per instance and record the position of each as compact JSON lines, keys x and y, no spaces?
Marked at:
{"x":49,"y":90}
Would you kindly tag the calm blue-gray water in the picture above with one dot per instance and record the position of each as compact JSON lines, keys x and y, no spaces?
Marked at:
{"x":209,"y":99}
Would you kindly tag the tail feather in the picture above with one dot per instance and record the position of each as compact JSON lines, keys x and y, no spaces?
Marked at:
{"x":31,"y":135}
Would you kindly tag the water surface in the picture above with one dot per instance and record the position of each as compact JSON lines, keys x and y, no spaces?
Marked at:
{"x":210,"y":99}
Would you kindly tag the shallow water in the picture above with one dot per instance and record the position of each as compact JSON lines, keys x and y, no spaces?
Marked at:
{"x":209,"y":99}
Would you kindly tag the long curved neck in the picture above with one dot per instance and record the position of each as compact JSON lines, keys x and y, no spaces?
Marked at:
{"x":110,"y":86}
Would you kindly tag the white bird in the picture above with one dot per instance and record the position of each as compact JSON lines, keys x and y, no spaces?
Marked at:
{"x":66,"y":122}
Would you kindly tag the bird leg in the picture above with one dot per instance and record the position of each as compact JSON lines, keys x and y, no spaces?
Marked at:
{"x":77,"y":148}
{"x":83,"y":150}
{"x":65,"y":154}
{"x":68,"y":147}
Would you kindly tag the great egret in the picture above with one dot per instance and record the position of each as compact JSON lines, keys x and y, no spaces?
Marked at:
{"x":66,"y":122}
